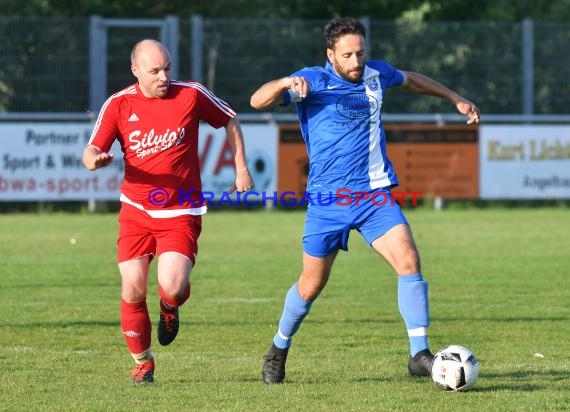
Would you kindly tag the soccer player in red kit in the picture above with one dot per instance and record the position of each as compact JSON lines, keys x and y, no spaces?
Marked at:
{"x":156,"y":122}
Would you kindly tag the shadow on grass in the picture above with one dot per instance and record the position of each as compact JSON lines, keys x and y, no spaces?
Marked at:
{"x":515,"y":381}
{"x":67,"y":284}
{"x":504,"y":319}
{"x":366,"y":379}
{"x":373,"y":321}
{"x":64,"y":324}
{"x":509,"y":387}
{"x":521,"y":380}
{"x":525,"y":374}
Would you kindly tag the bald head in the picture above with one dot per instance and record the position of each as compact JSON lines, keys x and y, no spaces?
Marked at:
{"x":146,"y":46}
{"x":150,"y":64}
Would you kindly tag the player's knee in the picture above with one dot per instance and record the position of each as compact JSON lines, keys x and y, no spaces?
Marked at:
{"x":409,"y":262}
{"x":133,"y":294}
{"x":175,"y":292}
{"x":309,"y":291}
{"x":310,"y":294}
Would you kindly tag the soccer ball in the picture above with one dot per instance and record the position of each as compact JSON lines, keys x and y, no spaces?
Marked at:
{"x":455,"y":368}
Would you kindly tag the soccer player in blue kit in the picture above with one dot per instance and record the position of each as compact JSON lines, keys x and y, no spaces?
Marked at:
{"x":339,"y":110}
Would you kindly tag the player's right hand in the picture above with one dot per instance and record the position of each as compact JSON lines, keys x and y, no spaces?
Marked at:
{"x":299,"y":86}
{"x":103,"y":159}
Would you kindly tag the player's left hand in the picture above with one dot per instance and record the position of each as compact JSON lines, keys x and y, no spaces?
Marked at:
{"x":243,"y":182}
{"x":469,"y":109}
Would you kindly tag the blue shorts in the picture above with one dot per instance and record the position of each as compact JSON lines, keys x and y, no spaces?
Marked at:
{"x":330,"y":219}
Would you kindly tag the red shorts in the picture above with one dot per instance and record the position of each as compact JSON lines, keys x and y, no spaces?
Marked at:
{"x":141,"y":235}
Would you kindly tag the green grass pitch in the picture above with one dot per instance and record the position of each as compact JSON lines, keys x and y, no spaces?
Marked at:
{"x":499,"y":284}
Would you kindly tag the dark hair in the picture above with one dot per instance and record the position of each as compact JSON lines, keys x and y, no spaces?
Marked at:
{"x":339,"y":27}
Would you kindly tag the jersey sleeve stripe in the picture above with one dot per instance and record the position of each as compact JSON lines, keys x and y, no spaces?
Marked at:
{"x":222,"y":105}
{"x":128,"y":90}
{"x":225,"y":107}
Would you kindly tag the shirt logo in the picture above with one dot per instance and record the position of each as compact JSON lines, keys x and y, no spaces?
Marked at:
{"x":357,"y":106}
{"x":332,"y":86}
{"x":133,"y":118}
{"x":372,"y":84}
{"x":147,"y":143}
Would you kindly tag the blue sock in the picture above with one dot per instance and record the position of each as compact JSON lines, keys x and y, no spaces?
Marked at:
{"x":294,"y":312}
{"x":413,"y":304}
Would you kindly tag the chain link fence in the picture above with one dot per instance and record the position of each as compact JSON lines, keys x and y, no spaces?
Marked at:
{"x":46,"y":64}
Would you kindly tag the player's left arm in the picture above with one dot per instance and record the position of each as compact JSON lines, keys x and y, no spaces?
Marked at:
{"x":422,"y":84}
{"x":243,"y":180}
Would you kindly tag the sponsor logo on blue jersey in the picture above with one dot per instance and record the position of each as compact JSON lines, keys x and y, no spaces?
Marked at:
{"x":357,"y":106}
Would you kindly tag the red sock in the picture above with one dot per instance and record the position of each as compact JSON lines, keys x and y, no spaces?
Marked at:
{"x":171,"y":302}
{"x":136,"y":327}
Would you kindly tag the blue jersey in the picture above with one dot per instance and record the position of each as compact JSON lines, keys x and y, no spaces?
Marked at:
{"x":342,"y":127}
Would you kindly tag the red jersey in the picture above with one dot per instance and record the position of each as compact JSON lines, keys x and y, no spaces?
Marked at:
{"x":159,"y":140}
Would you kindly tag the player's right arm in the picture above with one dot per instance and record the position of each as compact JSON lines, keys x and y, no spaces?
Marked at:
{"x":271,"y":93}
{"x":94,"y":158}
{"x":97,"y":153}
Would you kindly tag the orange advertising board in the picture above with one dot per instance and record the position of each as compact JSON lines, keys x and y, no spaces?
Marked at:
{"x":438,"y":161}
{"x":435,"y":160}
{"x":293,"y":160}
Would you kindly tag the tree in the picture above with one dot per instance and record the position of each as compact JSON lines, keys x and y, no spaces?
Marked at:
{"x":432,"y":10}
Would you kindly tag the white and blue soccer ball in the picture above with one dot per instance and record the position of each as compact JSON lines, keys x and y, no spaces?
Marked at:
{"x":455,"y":368}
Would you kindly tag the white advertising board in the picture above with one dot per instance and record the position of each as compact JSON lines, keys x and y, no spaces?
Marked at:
{"x":42,"y":162}
{"x":524,"y":162}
